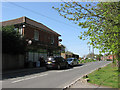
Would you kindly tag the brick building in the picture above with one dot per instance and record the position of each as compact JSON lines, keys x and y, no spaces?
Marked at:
{"x":42,"y":41}
{"x":69,"y":55}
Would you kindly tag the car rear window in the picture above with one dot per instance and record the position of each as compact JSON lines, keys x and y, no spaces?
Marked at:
{"x":50,"y":59}
{"x":69,"y":59}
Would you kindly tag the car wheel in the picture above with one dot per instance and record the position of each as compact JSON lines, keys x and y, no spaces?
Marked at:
{"x":72,"y":64}
{"x":58,"y":66}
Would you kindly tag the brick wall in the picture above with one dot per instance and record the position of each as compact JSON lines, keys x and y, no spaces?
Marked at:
{"x":44,"y":36}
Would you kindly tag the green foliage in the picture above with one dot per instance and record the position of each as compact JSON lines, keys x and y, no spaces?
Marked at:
{"x":107,"y":76}
{"x":101,"y":19}
{"x":87,"y":60}
{"x":12,"y":43}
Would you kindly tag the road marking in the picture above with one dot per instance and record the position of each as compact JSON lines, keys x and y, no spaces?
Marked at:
{"x":28,"y":78}
{"x":65,"y":70}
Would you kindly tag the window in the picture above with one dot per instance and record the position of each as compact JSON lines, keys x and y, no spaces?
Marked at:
{"x":52,"y":39}
{"x":16,"y":29}
{"x":36,"y":35}
{"x":20,"y":30}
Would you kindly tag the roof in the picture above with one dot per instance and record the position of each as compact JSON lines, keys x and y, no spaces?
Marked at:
{"x":28,"y":21}
{"x":68,"y":52}
{"x":61,"y":45}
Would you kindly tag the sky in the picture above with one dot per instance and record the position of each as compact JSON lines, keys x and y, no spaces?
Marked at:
{"x":44,"y":13}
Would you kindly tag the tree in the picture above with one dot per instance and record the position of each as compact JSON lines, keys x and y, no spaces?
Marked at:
{"x":12,"y":43}
{"x":90,"y":55}
{"x":102,"y":21}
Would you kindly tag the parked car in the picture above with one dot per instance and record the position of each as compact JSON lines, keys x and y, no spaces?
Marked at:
{"x":56,"y":63}
{"x":72,"y":61}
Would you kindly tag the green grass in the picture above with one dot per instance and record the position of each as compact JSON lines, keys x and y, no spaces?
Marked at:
{"x":86,"y":61}
{"x":107,"y":76}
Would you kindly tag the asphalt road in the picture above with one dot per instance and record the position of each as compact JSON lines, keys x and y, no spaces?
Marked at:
{"x":52,"y":78}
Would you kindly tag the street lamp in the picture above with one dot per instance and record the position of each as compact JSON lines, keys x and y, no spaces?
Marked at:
{"x":29,"y":42}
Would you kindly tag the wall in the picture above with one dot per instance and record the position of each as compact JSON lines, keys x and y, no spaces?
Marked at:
{"x":10,"y":62}
{"x":44,"y":36}
{"x":34,"y":56}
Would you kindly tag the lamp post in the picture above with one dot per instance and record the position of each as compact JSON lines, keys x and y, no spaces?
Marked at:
{"x":93,"y":52}
{"x":29,"y":42}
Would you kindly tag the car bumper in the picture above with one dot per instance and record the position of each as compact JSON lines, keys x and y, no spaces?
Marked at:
{"x":50,"y":66}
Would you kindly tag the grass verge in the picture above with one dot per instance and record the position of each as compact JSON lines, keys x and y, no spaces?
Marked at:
{"x":87,"y":60}
{"x":107,"y":76}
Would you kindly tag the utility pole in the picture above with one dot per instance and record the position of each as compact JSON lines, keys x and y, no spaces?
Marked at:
{"x":89,"y":49}
{"x":93,"y":52}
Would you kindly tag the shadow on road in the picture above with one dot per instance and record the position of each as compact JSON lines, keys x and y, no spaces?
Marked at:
{"x":78,"y":65}
{"x":21,"y":73}
{"x":70,"y":67}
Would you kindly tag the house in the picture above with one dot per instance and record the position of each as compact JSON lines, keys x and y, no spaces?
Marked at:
{"x":42,"y":41}
{"x":69,"y":54}
{"x":62,"y":48}
{"x":108,"y":57}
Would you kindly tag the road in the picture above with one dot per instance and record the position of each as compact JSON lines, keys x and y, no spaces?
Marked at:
{"x":52,"y":78}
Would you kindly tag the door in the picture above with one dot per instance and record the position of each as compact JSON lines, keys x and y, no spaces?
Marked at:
{"x":50,"y":52}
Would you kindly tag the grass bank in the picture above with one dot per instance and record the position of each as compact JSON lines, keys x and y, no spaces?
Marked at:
{"x":106,"y":76}
{"x":87,"y":60}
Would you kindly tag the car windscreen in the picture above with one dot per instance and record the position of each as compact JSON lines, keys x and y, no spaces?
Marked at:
{"x":69,"y":59}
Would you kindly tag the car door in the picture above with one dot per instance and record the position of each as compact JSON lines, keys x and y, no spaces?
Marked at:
{"x":59,"y":61}
{"x":62,"y":62}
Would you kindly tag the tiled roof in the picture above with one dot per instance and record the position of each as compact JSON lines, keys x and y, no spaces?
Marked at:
{"x":28,"y":21}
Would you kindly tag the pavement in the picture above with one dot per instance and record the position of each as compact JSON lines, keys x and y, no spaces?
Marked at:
{"x":82,"y":84}
{"x":41,"y":78}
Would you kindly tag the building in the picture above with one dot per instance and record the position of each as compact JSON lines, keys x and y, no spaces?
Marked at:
{"x":62,"y":48}
{"x":42,"y":41}
{"x":69,"y":54}
{"x":108,"y":57}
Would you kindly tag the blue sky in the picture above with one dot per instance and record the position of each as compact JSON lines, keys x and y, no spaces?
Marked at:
{"x":69,"y":31}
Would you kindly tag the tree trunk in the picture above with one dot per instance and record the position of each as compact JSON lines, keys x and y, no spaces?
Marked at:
{"x":118,"y":56}
{"x":113,"y":60}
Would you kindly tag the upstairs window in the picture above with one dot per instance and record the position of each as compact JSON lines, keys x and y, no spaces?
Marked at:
{"x":36,"y":35}
{"x":52,"y":39}
{"x":19,"y":30}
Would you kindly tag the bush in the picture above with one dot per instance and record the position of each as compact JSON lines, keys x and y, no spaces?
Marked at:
{"x":12,"y":43}
{"x":109,"y":59}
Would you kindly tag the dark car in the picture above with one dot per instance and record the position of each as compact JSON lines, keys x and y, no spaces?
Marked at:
{"x":56,"y":63}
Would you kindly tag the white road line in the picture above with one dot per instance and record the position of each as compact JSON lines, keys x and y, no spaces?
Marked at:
{"x":65,"y":70}
{"x":28,"y":78}
{"x":25,"y":76}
